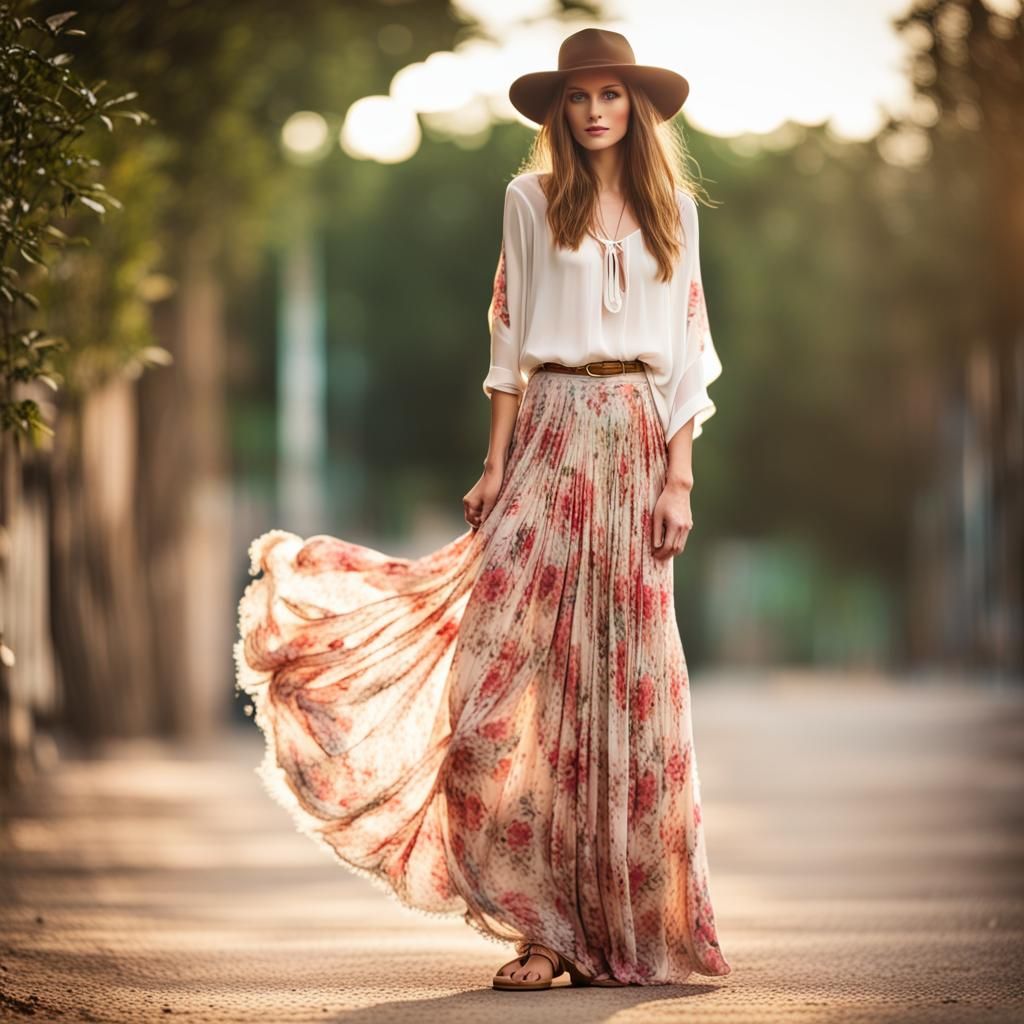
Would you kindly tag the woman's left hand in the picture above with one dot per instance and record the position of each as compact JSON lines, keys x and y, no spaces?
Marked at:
{"x":672,"y":521}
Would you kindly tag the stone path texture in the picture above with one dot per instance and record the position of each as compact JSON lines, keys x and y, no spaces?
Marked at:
{"x":865,"y":841}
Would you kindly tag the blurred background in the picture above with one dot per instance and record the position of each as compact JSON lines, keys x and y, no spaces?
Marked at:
{"x":247,"y":256}
{"x":282,"y":323}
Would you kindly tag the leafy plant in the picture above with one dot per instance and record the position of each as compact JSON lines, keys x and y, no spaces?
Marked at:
{"x":45,"y":110}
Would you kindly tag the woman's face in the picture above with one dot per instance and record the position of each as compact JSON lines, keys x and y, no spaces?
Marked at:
{"x":592,"y":100}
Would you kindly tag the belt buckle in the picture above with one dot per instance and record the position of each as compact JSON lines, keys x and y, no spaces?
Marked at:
{"x":587,"y":366}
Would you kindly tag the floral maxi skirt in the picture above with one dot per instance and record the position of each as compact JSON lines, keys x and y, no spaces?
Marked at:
{"x":501,"y":729}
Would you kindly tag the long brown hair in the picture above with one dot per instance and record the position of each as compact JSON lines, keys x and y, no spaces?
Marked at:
{"x":654,"y":164}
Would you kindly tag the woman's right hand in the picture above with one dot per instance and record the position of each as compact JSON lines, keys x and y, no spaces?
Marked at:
{"x":480,"y":498}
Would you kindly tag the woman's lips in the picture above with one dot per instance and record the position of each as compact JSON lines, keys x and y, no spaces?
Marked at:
{"x":596,"y":131}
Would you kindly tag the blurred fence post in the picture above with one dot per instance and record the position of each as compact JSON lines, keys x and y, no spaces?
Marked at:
{"x":28,"y":680}
{"x":302,"y":383}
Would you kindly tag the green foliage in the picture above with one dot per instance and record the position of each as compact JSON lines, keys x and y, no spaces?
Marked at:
{"x":45,"y":173}
{"x":103,"y":296}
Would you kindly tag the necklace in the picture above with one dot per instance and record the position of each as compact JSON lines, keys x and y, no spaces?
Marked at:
{"x":617,"y":223}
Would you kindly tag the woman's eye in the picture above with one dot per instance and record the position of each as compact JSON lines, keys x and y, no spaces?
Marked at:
{"x":608,"y":92}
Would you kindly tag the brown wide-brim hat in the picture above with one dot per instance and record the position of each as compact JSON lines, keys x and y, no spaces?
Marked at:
{"x":587,"y":50}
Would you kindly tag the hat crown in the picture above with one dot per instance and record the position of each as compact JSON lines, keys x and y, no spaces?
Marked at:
{"x":594,"y":47}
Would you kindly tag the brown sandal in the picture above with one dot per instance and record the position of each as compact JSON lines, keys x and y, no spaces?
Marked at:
{"x":525,"y":951}
{"x":608,"y":982}
{"x":581,"y":978}
{"x":559,"y":965}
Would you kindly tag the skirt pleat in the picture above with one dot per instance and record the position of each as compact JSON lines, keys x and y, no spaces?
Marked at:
{"x":502,"y":728}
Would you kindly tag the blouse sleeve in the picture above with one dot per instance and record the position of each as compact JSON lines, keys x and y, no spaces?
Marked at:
{"x":506,"y":314}
{"x":698,"y":363}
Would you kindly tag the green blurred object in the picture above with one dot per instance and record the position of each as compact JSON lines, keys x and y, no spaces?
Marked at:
{"x":779,"y":602}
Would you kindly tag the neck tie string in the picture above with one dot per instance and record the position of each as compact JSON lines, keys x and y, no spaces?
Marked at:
{"x":612,"y":287}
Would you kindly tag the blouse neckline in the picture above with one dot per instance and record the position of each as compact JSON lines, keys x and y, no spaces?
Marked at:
{"x":612,"y":249}
{"x":635,"y":231}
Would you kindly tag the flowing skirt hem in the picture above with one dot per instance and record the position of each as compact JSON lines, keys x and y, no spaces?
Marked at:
{"x":273,"y":777}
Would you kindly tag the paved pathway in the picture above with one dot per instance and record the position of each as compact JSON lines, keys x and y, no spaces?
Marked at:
{"x":865,"y":843}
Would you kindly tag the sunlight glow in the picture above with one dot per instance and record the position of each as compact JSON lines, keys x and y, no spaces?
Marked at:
{"x":469,"y":125}
{"x":380,"y":128}
{"x":497,"y":14}
{"x":439,"y":83}
{"x":304,"y":134}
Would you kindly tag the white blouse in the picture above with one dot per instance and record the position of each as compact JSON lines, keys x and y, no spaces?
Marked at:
{"x":570,"y":307}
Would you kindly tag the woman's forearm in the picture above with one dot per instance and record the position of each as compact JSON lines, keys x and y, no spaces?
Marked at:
{"x":504,"y":410}
{"x":680,"y":457}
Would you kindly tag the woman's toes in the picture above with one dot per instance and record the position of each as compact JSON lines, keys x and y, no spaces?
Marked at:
{"x":529,"y":973}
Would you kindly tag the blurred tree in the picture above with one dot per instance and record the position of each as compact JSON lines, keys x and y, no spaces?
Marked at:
{"x":873,"y":323}
{"x":217,"y":188}
{"x":968,"y":72}
{"x":45,"y":109}
{"x":47,"y":174}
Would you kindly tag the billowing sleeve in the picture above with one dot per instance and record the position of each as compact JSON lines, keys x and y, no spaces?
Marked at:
{"x":506,"y":314}
{"x":696,"y":361}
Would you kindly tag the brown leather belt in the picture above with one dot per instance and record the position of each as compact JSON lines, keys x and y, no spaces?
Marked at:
{"x":598,"y":368}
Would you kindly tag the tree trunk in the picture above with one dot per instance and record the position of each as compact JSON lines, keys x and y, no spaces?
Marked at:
{"x":185,"y":501}
{"x":101,"y":629}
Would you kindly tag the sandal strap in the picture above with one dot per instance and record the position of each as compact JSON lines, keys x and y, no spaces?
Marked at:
{"x":530,"y":948}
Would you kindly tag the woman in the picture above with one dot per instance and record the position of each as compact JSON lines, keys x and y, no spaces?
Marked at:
{"x":502,"y":729}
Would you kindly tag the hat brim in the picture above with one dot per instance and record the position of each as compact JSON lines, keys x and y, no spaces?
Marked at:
{"x":532,"y":94}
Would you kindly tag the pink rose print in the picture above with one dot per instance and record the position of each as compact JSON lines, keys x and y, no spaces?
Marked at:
{"x":637,"y":876}
{"x":696,"y":312}
{"x":644,"y":698}
{"x":474,"y":812}
{"x":521,"y":906}
{"x":648,"y":601}
{"x":495,"y":730}
{"x":494,"y":680}
{"x":493,"y":584}
{"x":448,"y":631}
{"x":549,"y":578}
{"x":569,"y":777}
{"x":645,"y":793}
{"x":519,"y":834}
{"x":676,"y":766}
{"x":498,"y":298}
{"x":676,"y":686}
